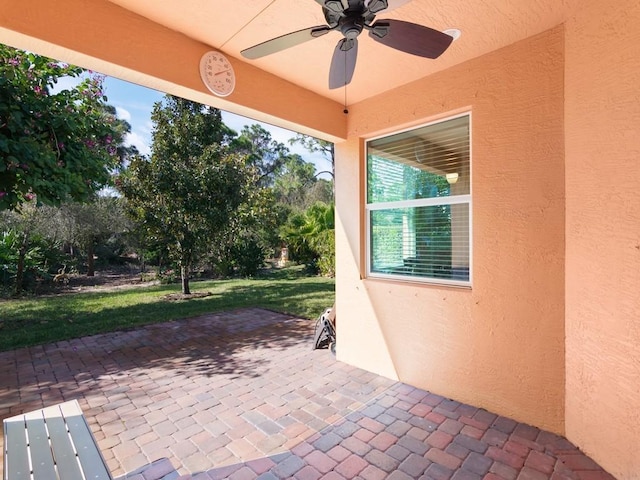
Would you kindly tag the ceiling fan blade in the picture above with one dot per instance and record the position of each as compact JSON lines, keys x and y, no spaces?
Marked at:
{"x":285,"y":41}
{"x":343,"y":63}
{"x":410,"y":38}
{"x":393,"y":4}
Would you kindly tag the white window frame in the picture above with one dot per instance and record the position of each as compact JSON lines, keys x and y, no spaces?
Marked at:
{"x":424,"y":202}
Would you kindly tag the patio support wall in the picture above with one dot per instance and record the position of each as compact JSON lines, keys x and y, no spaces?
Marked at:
{"x":499,"y":345}
{"x":603,"y":233}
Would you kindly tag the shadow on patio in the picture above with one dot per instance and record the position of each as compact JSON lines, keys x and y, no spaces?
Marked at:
{"x":242,"y":395}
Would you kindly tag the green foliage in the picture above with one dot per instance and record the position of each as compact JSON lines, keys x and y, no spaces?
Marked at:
{"x":294,"y":181}
{"x":262,"y":152}
{"x":38,"y":257}
{"x":167,"y":276}
{"x":320,"y":191}
{"x":205,"y":194}
{"x":248,"y":255}
{"x":87,"y":226}
{"x":292,"y":234}
{"x":391,"y":181}
{"x":243,"y":246}
{"x":52,"y":146}
{"x":326,"y":248}
{"x":49,"y":231}
{"x":187,"y":194}
{"x":387,"y":242}
{"x":309,"y":230}
{"x":316,"y":145}
{"x":22,"y":236}
{"x":310,"y":237}
{"x":430,"y":226}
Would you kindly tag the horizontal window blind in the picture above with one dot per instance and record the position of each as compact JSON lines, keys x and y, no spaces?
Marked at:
{"x":418,"y":203}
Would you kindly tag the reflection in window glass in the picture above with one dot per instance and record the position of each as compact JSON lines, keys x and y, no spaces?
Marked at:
{"x":418,"y":203}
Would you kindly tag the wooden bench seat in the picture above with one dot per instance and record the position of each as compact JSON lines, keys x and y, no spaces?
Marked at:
{"x":52,"y":443}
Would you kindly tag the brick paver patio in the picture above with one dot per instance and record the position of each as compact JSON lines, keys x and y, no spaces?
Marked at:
{"x":241,"y":395}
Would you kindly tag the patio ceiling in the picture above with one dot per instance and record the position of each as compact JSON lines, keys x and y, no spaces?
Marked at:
{"x":126,"y":36}
{"x":232,"y":26}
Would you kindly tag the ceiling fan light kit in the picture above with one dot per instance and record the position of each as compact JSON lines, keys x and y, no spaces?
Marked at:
{"x":453,"y":33}
{"x":350,"y":18}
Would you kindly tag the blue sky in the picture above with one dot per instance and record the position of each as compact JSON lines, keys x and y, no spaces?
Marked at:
{"x":134,"y":104}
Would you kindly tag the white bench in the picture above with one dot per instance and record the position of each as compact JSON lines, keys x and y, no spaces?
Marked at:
{"x":52,"y":443}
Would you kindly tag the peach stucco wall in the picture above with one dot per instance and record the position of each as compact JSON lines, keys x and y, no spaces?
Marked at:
{"x":499,"y":345}
{"x":550,"y":332}
{"x":603,"y":234}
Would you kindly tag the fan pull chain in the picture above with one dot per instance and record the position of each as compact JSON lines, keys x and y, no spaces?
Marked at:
{"x":346,"y":110}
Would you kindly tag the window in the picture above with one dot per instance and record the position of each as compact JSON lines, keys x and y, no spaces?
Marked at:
{"x":418,"y":204}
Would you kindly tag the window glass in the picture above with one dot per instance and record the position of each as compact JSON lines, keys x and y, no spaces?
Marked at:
{"x":418,"y":203}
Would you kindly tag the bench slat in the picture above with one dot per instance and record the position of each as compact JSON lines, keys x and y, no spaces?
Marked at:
{"x":91,"y":460}
{"x":65,"y":457}
{"x":39,"y":448}
{"x":15,"y":438}
{"x":53,"y":443}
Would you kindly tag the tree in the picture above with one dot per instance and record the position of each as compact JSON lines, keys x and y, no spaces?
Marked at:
{"x":252,"y":231}
{"x":287,"y":179}
{"x":24,"y":246}
{"x":294,"y":180}
{"x":124,"y":152}
{"x":189,"y":190}
{"x":316,"y":145}
{"x":85,"y":224}
{"x":52,"y":146}
{"x":33,"y":238}
{"x":263,"y":152}
{"x":310,"y":237}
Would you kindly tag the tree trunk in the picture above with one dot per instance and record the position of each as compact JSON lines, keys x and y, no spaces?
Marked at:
{"x":184,"y":272}
{"x":91,"y":264}
{"x":20,"y":268}
{"x":142,"y":264}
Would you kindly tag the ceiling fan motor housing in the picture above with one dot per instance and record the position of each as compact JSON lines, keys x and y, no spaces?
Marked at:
{"x":351,"y":26}
{"x":350,"y":16}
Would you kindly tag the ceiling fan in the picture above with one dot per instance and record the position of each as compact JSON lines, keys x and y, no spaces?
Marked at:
{"x":350,"y":18}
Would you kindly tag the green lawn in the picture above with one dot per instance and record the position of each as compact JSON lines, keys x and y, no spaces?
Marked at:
{"x":40,"y":320}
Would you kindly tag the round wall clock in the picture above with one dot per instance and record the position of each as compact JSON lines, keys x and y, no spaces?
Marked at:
{"x":217,"y":73}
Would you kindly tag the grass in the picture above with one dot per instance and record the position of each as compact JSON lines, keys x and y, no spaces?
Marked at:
{"x":40,"y":320}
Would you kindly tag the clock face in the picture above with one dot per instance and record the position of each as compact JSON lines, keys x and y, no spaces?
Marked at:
{"x":217,"y":73}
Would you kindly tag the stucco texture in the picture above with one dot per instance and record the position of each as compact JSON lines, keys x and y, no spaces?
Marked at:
{"x":549,"y":332}
{"x":500,"y":344}
{"x":603,"y":234}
